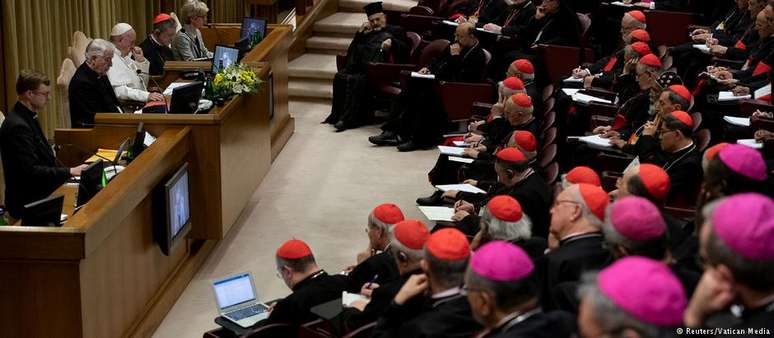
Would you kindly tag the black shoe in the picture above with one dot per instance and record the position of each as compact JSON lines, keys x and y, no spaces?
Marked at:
{"x":386,"y":138}
{"x":435,"y":199}
{"x":340,"y":126}
{"x":408,"y":146}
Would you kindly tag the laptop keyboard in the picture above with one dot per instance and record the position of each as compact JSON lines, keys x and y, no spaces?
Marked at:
{"x":246,"y":312}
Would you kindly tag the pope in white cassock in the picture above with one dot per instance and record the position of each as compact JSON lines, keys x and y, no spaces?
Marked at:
{"x":129,"y":73}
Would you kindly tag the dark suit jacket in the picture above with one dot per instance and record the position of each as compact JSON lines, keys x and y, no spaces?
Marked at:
{"x":447,"y":317}
{"x":467,"y":66}
{"x":156,"y":54}
{"x":31,"y":172}
{"x":312,"y":291}
{"x":381,"y":264}
{"x":89,"y":94}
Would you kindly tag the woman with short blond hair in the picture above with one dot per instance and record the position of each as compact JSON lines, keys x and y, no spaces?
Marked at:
{"x":188,"y":44}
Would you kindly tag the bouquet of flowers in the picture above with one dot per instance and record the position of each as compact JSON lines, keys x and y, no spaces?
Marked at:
{"x":236,"y":79}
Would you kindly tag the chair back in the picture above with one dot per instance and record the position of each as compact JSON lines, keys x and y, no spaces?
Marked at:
{"x":549,"y":119}
{"x":458,"y":98}
{"x":432,"y":50}
{"x":561,"y":60}
{"x":548,"y":92}
{"x":548,"y":105}
{"x":362,"y":332}
{"x":415,"y":40}
{"x":550,"y":173}
{"x":549,"y":136}
{"x":421,"y":10}
{"x":547,"y":156}
{"x":271,"y":331}
{"x":702,"y":138}
{"x":585,"y":23}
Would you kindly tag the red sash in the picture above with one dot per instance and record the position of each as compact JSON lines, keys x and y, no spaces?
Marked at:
{"x":761,"y":68}
{"x":610,"y":64}
{"x":739,"y":44}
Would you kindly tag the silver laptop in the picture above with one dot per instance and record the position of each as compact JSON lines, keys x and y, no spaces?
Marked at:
{"x":237,"y":301}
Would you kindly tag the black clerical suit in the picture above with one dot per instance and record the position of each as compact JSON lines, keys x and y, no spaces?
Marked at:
{"x":350,"y":85}
{"x":535,"y":324}
{"x":89,"y":94}
{"x":574,"y":256}
{"x":156,"y":54}
{"x":683,"y":167}
{"x":532,"y":193}
{"x":381,"y":265}
{"x":517,"y":19}
{"x":443,"y":317}
{"x":31,"y":170}
{"x":316,"y":289}
{"x":760,"y":318}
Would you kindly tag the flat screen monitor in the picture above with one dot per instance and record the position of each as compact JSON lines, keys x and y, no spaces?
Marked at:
{"x":185,"y":99}
{"x":91,"y":182}
{"x":254,"y":29}
{"x":46,"y":212}
{"x":138,"y":144}
{"x":224,"y":56}
{"x":120,"y":152}
{"x":173,"y":210}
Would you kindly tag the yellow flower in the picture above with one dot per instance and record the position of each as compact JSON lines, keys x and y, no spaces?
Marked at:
{"x":218,"y":79}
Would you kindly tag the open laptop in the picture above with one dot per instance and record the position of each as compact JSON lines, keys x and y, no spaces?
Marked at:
{"x":237,"y":301}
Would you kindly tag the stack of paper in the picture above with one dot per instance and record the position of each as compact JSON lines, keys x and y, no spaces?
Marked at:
{"x":460,"y":159}
{"x":750,"y":142}
{"x":702,"y":47}
{"x":348,"y":298}
{"x":737,"y":121}
{"x":583,"y":98}
{"x":461,"y":187}
{"x":460,"y":144}
{"x":422,"y":76}
{"x":570,"y":91}
{"x":729,"y":96}
{"x":455,"y":151}
{"x":102,"y":154}
{"x":450,"y":23}
{"x":437,"y":213}
{"x":596,"y":140}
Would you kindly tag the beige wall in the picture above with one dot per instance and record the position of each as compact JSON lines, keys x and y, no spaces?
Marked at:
{"x":35,"y":34}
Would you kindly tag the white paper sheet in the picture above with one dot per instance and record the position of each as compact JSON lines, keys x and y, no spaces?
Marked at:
{"x":173,"y":85}
{"x":437,"y":213}
{"x":729,"y":96}
{"x":737,"y":121}
{"x":456,"y":151}
{"x":450,"y":23}
{"x":620,"y":3}
{"x":460,"y":159}
{"x":460,"y":144}
{"x":461,"y":187}
{"x":348,"y":298}
{"x":750,"y":142}
{"x":422,"y":76}
{"x":583,"y":98}
{"x":596,"y":140}
{"x":763,"y":91}
{"x":570,"y":91}
{"x":149,"y":139}
{"x":572,"y":79}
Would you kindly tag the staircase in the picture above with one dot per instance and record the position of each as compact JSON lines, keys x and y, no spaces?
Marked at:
{"x":311,"y":74}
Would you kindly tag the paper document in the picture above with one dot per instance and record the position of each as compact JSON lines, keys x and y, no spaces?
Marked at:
{"x":173,"y":85}
{"x":570,"y":91}
{"x":620,"y":3}
{"x":583,"y":98}
{"x":422,"y":76}
{"x":348,"y":298}
{"x":763,"y":91}
{"x":461,"y":159}
{"x":750,"y":142}
{"x":702,"y":47}
{"x":149,"y":139}
{"x":437,"y":213}
{"x":596,"y":140}
{"x":450,"y":23}
{"x":103,"y":154}
{"x":729,"y":96}
{"x":461,"y":187}
{"x":737,"y":121}
{"x":460,"y":144}
{"x":456,"y":151}
{"x":572,"y":79}
{"x":486,"y":31}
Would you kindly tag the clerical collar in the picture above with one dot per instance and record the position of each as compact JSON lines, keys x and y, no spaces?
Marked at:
{"x":515,"y":318}
{"x":578,"y":236}
{"x":308,"y":279}
{"x":685,"y":151}
{"x":153,"y":38}
{"x":683,"y":148}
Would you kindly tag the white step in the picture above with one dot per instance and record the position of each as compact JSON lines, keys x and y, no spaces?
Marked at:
{"x":393,"y":5}
{"x":315,"y":66}
{"x":334,"y":43}
{"x":340,"y":22}
{"x":310,"y":88}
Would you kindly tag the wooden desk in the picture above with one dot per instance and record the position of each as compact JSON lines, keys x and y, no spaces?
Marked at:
{"x":232,"y":153}
{"x":101,"y":274}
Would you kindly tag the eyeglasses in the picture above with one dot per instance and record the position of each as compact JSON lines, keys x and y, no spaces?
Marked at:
{"x":558,"y":202}
{"x":46,"y":94}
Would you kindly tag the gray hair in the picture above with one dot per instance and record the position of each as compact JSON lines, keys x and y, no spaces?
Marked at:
{"x":448,"y":274}
{"x":98,"y":47}
{"x":376,"y":223}
{"x":497,"y":229}
{"x":508,"y":295}
{"x":585,"y":211}
{"x":191,"y":9}
{"x":164,"y":25}
{"x":611,"y":318}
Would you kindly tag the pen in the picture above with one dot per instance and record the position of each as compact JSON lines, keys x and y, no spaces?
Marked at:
{"x":372,"y":281}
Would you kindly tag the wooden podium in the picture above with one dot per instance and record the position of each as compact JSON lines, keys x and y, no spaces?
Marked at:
{"x":101,"y":274}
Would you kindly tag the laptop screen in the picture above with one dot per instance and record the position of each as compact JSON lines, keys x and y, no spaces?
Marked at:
{"x":224,"y":57}
{"x":234,"y":290}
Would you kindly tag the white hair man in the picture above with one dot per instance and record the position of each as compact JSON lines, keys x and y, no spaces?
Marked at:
{"x":129,"y":74}
{"x":90,"y":90}
{"x":376,"y":265}
{"x":503,"y":219}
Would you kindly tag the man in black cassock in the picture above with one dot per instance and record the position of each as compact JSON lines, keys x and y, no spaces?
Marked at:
{"x":376,"y":41}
